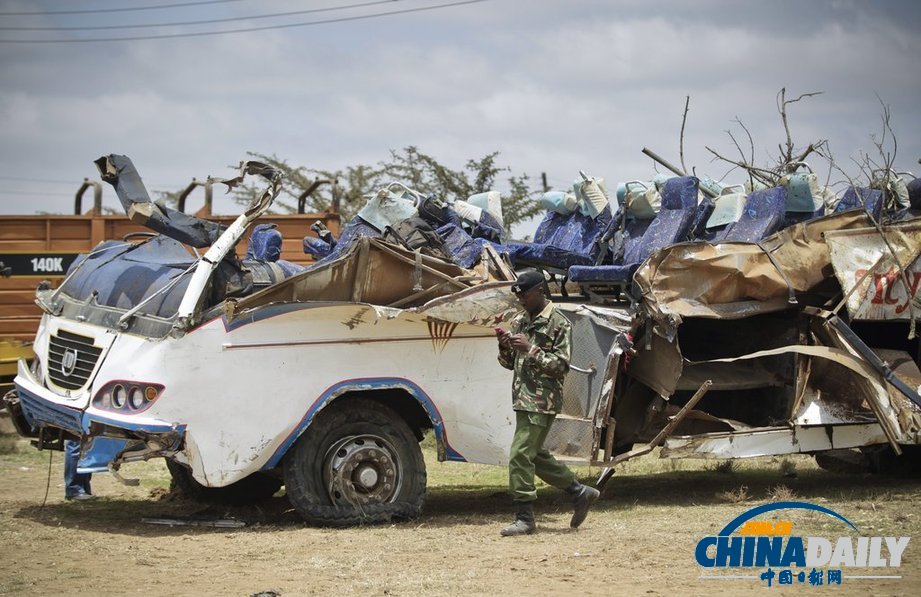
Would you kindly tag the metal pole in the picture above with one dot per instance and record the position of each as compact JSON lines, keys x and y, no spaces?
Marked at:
{"x":97,"y":197}
{"x":208,"y":183}
{"x":676,"y":170}
{"x":302,"y":198}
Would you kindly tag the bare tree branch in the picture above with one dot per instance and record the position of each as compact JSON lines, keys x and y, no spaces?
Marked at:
{"x":824,"y":151}
{"x":861,"y":166}
{"x":751,"y":145}
{"x":738,"y":147}
{"x":805,"y":153}
{"x":805,"y":95}
{"x":789,"y":159}
{"x":886,"y":117}
{"x":684,"y":119}
{"x":744,"y":157}
{"x":786,"y":157}
{"x":765,"y":176}
{"x":728,"y":172}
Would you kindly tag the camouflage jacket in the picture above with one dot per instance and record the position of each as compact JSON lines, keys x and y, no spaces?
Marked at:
{"x":538,"y":382}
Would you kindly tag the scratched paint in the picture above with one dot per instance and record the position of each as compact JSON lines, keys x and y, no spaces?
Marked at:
{"x":881,"y":275}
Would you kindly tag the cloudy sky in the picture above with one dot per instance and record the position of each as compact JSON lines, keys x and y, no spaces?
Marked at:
{"x":555,"y":86}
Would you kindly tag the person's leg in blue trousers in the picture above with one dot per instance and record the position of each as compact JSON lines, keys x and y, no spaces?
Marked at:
{"x":75,"y":483}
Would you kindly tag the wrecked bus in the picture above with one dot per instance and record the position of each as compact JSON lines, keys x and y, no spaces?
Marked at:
{"x":246,"y":378}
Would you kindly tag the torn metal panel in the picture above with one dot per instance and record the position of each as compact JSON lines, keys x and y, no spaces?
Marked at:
{"x":660,"y":413}
{"x":374,"y":272}
{"x":838,"y":381}
{"x":596,"y":350}
{"x":905,"y":369}
{"x":735,"y":280}
{"x":817,"y":410}
{"x":741,"y":376}
{"x":868,"y":381}
{"x":840,"y":387}
{"x":478,"y":305}
{"x":193,"y":299}
{"x":602,"y":414}
{"x":702,"y":422}
{"x":195,"y":521}
{"x":657,"y":364}
{"x":859,"y":347}
{"x":869,"y":265}
{"x":873,"y":386}
{"x":119,"y":171}
{"x":667,"y":430}
{"x":768,"y":442}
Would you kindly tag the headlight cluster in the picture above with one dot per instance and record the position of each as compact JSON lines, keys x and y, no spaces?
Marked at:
{"x":127,"y":396}
{"x":36,"y":369}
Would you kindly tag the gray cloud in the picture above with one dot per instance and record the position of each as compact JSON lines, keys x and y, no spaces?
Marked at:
{"x":555,"y":86}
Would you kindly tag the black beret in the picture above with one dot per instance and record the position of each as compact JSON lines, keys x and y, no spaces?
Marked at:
{"x":527,"y":280}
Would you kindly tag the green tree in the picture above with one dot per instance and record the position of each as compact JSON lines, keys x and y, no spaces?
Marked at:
{"x":412,"y":167}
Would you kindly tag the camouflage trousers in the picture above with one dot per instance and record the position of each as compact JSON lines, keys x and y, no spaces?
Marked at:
{"x":528,"y":458}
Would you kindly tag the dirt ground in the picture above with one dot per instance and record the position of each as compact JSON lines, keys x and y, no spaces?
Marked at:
{"x":639,"y":540}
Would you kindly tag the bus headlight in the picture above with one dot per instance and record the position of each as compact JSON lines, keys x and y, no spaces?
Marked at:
{"x":127,"y":396}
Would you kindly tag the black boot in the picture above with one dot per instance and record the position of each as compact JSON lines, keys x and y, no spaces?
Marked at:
{"x":524,"y":522}
{"x":583,"y":497}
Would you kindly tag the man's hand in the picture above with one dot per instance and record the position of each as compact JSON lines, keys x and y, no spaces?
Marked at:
{"x":519,"y":342}
{"x":503,"y":337}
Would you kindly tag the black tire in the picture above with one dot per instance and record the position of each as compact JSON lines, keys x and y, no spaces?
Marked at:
{"x":253,"y":489}
{"x":884,"y":461}
{"x":357,"y":463}
{"x":843,"y":462}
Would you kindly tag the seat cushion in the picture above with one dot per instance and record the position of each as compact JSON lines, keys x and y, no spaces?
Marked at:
{"x":750,"y":231}
{"x":587,"y":274}
{"x":264,"y":243}
{"x":680,"y":192}
{"x":548,"y":255}
{"x":858,"y":197}
{"x":356,"y":228}
{"x":289,"y":268}
{"x":563,"y":240}
{"x":762,"y":216}
{"x":317,"y":247}
{"x":459,"y":245}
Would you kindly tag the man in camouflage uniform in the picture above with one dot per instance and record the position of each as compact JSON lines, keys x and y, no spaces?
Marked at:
{"x":538,"y":350}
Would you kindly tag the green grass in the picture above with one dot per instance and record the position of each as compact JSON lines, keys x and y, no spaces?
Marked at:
{"x":480,"y":490}
{"x":9,"y":444}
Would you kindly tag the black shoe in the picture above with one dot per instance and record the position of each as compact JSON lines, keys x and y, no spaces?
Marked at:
{"x":581,"y":502}
{"x":519,"y":527}
{"x":524,"y":522}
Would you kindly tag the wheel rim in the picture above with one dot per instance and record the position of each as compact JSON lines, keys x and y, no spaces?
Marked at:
{"x":362,"y":469}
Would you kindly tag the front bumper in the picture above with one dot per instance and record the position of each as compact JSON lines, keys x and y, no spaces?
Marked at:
{"x":43,"y":413}
{"x":43,"y":408}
